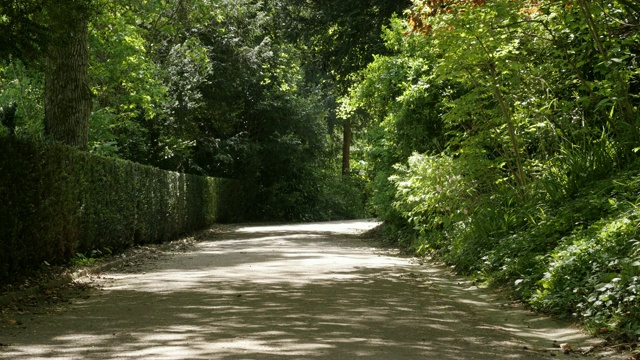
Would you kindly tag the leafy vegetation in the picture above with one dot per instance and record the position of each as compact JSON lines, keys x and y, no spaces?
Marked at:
{"x":58,"y":202}
{"x":217,"y":88}
{"x":503,"y":139}
{"x":90,"y":258}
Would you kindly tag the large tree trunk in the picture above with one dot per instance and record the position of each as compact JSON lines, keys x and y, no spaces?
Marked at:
{"x":67,"y":96}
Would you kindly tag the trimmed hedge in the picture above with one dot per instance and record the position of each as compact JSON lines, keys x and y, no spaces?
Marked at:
{"x":56,"y":201}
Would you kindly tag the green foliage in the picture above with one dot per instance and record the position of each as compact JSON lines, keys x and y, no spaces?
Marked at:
{"x":434,"y":193}
{"x":21,"y":35}
{"x":341,"y":36}
{"x":24,"y":86}
{"x":90,"y":258}
{"x":593,"y":272}
{"x":217,"y":88}
{"x":125,"y":82}
{"x":57,"y":202}
{"x":500,"y":138}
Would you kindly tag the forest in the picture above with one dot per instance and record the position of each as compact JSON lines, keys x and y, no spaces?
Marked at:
{"x":500,"y":136}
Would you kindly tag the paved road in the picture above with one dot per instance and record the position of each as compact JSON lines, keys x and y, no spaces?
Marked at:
{"x":288,"y":292}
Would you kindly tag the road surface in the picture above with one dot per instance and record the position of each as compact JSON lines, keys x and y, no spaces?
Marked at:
{"x":307,"y":291}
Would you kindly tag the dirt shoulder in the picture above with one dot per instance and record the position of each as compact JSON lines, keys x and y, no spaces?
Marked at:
{"x":283,"y":291}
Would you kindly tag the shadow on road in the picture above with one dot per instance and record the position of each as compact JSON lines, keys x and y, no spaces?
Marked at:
{"x":297,"y":291}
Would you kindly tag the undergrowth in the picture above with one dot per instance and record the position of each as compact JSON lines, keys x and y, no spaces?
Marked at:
{"x":91,"y":257}
{"x":573,"y":253}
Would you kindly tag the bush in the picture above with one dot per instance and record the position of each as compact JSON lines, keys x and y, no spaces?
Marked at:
{"x":56,"y":201}
{"x":594,"y":273}
{"x":440,"y":193}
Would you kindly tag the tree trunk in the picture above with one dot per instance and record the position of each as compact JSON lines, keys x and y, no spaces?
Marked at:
{"x":67,"y":96}
{"x":346,"y":148}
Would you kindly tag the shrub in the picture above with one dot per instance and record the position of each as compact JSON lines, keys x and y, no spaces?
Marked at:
{"x":594,"y":274}
{"x":56,"y":201}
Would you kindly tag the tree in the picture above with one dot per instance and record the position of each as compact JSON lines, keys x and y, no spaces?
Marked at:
{"x":341,"y":38}
{"x":67,"y":93}
{"x":53,"y":35}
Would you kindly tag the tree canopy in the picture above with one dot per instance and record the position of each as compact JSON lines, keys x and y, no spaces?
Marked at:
{"x":221,"y":88}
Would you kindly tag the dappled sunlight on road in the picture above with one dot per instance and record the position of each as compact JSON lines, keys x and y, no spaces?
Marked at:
{"x":335,"y":227}
{"x":294,"y":260}
{"x":273,"y":292}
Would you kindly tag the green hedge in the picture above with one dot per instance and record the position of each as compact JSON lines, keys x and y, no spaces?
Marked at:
{"x":56,"y":201}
